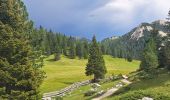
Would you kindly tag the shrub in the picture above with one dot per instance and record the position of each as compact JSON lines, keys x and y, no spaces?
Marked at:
{"x":137,"y":95}
{"x":57,"y":98}
{"x":116,"y":77}
{"x":147,"y":75}
{"x":100,"y":93}
{"x":122,"y":90}
{"x":89,"y":93}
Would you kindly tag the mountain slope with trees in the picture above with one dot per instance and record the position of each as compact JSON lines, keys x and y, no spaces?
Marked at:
{"x":132,"y":44}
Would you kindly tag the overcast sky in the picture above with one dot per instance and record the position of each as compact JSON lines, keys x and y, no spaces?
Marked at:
{"x":104,"y":18}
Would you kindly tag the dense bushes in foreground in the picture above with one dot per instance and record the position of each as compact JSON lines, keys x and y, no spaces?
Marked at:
{"x":137,"y":95}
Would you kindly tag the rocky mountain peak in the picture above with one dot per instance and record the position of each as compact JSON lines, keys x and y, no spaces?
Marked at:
{"x":160,"y":22}
{"x":146,"y":28}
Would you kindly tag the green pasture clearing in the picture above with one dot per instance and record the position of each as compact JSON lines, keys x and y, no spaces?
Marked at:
{"x":67,"y":71}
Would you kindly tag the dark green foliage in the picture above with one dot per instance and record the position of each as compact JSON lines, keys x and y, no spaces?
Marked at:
{"x":166,"y":49}
{"x":72,"y":51}
{"x":150,"y":53}
{"x":20,"y":73}
{"x":103,"y":49}
{"x":123,"y":90}
{"x":19,"y":77}
{"x":55,"y":43}
{"x":96,"y":64}
{"x":13,"y":13}
{"x":167,"y":53}
{"x":82,"y":49}
{"x":149,"y":59}
{"x":64,"y":45}
{"x":162,"y":57}
{"x":148,"y":74}
{"x":57,"y":98}
{"x":168,"y":16}
{"x":79,"y":50}
{"x":56,"y":56}
{"x":85,"y":50}
{"x":129,"y":59}
{"x":161,"y":52}
{"x":136,"y":95}
{"x":57,"y":52}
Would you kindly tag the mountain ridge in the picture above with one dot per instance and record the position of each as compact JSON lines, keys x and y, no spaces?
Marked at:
{"x":133,"y":42}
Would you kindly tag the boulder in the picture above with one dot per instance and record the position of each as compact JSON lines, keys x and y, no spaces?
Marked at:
{"x":147,"y":98}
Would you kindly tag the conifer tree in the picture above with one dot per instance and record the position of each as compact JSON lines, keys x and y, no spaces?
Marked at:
{"x":166,"y":48}
{"x":79,"y":50}
{"x":150,"y":58}
{"x":20,"y":74}
{"x":103,"y":49}
{"x":86,"y":50}
{"x":167,"y":52}
{"x":96,"y":64}
{"x":72,"y":51}
{"x":64,"y":46}
{"x":57,"y":52}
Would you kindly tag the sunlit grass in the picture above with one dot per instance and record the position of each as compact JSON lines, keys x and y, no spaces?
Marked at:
{"x":67,"y":71}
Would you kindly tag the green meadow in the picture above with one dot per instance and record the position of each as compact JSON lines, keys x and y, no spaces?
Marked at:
{"x":67,"y":71}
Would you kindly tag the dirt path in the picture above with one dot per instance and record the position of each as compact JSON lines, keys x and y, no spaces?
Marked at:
{"x":108,"y":93}
{"x":111,"y":91}
{"x":126,"y":81}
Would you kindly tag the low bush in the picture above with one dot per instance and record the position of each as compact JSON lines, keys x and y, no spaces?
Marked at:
{"x":137,"y":95}
{"x":57,"y":98}
{"x":122,"y":90}
{"x":147,"y":75}
{"x":100,"y":93}
{"x":89,"y":93}
{"x":116,"y":77}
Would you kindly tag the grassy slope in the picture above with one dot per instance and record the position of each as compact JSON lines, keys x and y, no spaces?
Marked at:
{"x":67,"y":71}
{"x":154,"y":87}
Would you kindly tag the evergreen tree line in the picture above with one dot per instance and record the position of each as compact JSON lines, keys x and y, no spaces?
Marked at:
{"x":51,"y":43}
{"x":118,"y":48}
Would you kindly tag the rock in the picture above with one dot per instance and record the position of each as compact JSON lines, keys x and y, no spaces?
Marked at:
{"x":124,"y":76}
{"x":100,"y":92}
{"x":119,"y":85}
{"x":47,"y":98}
{"x":147,"y":98}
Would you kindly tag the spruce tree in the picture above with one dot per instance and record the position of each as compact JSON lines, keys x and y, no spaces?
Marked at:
{"x":166,"y":49}
{"x":167,"y":52}
{"x":103,"y":49}
{"x":72,"y":51}
{"x":96,"y":64}
{"x":57,"y":52}
{"x":86,"y":50}
{"x":79,"y":50}
{"x":150,"y":59}
{"x":20,"y":74}
{"x":64,"y":46}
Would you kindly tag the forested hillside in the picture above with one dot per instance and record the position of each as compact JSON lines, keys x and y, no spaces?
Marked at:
{"x":49,"y":42}
{"x":132,"y":44}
